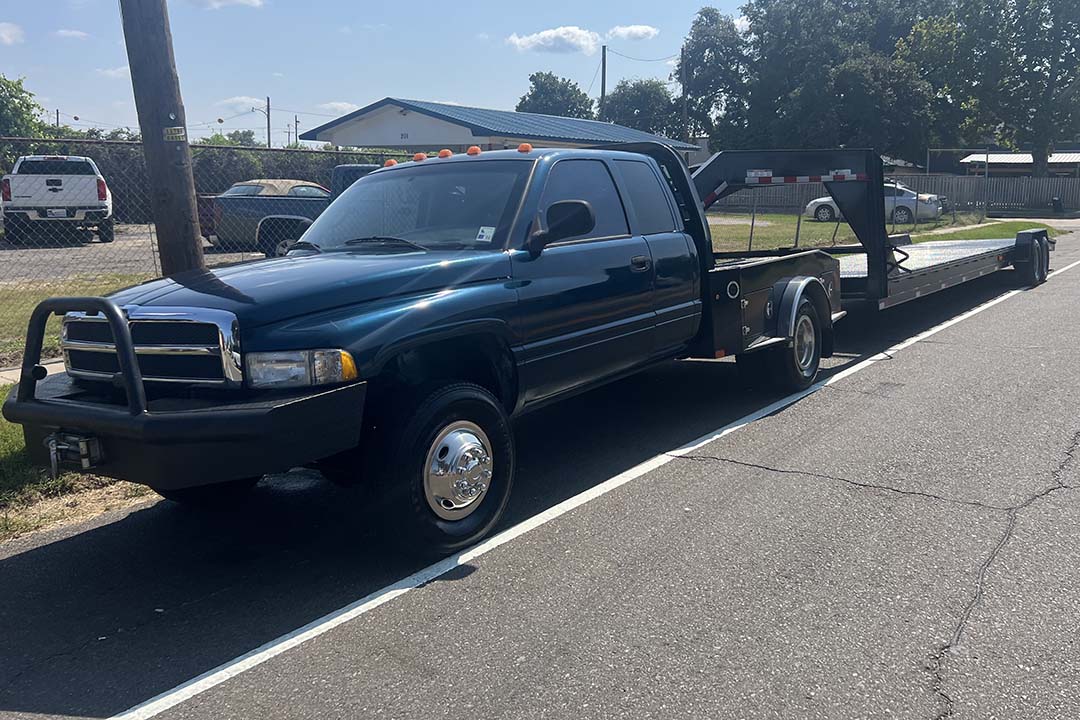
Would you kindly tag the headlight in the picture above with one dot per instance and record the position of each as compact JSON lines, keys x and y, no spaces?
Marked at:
{"x":299,"y":368}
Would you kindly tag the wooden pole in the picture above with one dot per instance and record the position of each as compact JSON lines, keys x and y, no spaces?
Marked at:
{"x":163,"y":126}
{"x":267,"y":121}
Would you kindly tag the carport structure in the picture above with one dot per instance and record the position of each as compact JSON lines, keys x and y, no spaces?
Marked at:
{"x":420,"y":125}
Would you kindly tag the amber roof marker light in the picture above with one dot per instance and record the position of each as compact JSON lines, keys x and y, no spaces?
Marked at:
{"x":525,"y":147}
{"x":473,"y":150}
{"x":419,"y":157}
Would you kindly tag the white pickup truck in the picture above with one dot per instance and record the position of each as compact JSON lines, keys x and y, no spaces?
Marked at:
{"x":46,"y":197}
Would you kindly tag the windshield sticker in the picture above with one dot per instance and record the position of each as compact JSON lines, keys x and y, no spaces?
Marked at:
{"x":486,"y":233}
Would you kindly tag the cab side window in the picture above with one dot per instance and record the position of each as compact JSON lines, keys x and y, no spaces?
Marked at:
{"x":588,"y":180}
{"x":648,"y":197}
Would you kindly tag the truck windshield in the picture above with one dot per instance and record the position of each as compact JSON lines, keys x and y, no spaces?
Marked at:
{"x":453,"y":206}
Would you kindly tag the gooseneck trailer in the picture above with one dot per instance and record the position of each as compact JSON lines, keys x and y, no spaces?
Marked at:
{"x":882,"y":269}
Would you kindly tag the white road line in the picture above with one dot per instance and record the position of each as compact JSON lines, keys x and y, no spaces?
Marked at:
{"x":216,"y":676}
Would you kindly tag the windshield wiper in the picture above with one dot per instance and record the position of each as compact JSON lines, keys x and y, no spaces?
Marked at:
{"x":371,"y":239}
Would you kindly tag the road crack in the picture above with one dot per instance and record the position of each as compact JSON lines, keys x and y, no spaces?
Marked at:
{"x":847,"y":481}
{"x":1011,"y":512}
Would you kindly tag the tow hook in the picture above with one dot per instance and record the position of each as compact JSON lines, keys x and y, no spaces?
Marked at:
{"x":72,"y":449}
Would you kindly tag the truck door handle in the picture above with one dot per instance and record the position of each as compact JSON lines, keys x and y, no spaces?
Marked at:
{"x":640,"y":263}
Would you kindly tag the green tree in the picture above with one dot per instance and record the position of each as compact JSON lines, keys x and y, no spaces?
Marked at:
{"x":242,"y":138}
{"x":1031,"y":78}
{"x":641,"y":104}
{"x":715,"y":65}
{"x":550,"y":94}
{"x":20,"y":114}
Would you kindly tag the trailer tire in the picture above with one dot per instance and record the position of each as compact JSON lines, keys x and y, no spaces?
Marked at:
{"x":221,"y":496}
{"x":795,"y":367}
{"x":1044,"y":246}
{"x":1033,"y":271}
{"x":447,"y":479}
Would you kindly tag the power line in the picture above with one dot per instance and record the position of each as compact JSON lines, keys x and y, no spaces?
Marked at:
{"x":593,"y":81}
{"x":637,"y":59}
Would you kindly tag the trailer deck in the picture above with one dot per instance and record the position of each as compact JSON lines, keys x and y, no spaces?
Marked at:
{"x":928,"y":267}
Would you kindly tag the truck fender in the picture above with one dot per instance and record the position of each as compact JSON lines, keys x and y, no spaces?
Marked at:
{"x":275,"y":224}
{"x":1026,"y":240}
{"x":793,"y":292}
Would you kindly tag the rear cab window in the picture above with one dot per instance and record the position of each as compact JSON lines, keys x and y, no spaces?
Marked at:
{"x":588,"y":180}
{"x":55,"y":167}
{"x":648,"y":198}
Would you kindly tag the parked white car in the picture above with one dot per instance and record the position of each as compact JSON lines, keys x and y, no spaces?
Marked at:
{"x":902,"y":206}
{"x":44,"y":195}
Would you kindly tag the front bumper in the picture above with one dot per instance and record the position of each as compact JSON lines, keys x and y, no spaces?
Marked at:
{"x":178,"y":443}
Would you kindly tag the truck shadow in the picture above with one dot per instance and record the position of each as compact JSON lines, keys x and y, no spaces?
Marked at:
{"x":108,"y":616}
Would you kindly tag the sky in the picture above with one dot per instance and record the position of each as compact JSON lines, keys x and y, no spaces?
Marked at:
{"x":319,"y":59}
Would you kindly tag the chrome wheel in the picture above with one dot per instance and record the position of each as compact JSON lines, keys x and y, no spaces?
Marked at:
{"x":458,"y":470}
{"x":824,"y":213}
{"x":805,"y":345}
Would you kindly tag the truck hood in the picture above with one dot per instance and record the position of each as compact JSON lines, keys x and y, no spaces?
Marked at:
{"x":268,"y":291}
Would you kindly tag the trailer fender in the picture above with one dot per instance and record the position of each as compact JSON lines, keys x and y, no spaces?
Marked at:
{"x":1026,"y":240}
{"x":791,"y":295}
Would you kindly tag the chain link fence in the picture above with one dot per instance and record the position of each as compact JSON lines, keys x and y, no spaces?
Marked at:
{"x":77,"y":217}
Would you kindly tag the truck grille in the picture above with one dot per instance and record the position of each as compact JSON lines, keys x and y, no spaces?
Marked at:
{"x":183,"y":346}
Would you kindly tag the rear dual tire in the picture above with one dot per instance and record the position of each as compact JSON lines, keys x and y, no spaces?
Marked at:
{"x":789,"y":367}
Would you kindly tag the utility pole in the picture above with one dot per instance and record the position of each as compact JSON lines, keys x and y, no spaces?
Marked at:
{"x":57,"y":118}
{"x":296,"y":129}
{"x":603,"y":76}
{"x":164,"y":133}
{"x":682,"y":81}
{"x":267,"y":121}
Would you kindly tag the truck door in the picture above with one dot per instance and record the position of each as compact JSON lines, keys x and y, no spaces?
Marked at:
{"x":677,"y":281}
{"x":585,"y":308}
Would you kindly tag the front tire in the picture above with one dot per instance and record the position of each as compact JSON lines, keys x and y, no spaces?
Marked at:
{"x":223,"y":495}
{"x":902,"y":216}
{"x":449,"y":477}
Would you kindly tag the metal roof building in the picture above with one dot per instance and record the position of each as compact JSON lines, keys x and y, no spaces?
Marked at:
{"x":1003,"y":163}
{"x":417,"y":124}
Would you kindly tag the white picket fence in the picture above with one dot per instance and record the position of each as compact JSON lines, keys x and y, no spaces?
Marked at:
{"x":963,"y":193}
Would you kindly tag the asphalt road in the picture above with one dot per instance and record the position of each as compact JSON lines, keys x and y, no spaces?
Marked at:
{"x":900,"y":543}
{"x":133,"y":252}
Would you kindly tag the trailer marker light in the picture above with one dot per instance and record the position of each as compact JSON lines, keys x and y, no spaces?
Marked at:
{"x":524,"y":148}
{"x":390,"y":163}
{"x":419,"y":157}
{"x":720,"y":354}
{"x":473,"y":150}
{"x":445,"y":153}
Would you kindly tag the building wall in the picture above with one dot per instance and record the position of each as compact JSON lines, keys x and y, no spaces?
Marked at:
{"x":396,"y":128}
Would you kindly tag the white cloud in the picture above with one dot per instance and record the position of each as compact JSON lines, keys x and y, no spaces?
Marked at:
{"x":339,"y":107}
{"x":633,"y":32}
{"x":10,"y":33}
{"x":742,"y":24}
{"x":565,"y":39}
{"x":218,"y":4}
{"x":115,"y":73}
{"x":278,"y":74}
{"x":482,"y":36}
{"x":77,"y":34}
{"x":241,"y":102}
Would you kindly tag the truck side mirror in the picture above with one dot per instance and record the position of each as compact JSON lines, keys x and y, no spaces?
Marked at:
{"x":564,"y":219}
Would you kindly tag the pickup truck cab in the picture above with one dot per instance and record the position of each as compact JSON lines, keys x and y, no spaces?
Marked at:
{"x":429,"y":305}
{"x":47,"y":196}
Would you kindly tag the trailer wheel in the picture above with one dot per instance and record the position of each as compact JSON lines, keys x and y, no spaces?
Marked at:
{"x":447,"y":482}
{"x":1044,"y":246}
{"x":208,"y":497}
{"x":795,"y":367}
{"x":1033,"y":271}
